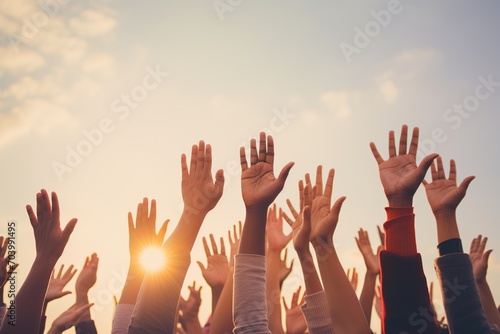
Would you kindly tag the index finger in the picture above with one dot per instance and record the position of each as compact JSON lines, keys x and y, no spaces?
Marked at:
{"x":329,"y":183}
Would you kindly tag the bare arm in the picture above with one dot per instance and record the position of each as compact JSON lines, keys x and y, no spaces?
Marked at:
{"x":50,"y":242}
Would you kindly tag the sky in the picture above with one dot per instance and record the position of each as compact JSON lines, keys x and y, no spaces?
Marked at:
{"x":99,"y":99}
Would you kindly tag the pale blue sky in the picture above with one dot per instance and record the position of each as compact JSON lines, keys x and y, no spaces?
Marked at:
{"x":264,"y":65}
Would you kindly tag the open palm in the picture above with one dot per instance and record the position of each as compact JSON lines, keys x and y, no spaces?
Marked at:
{"x":400,"y":175}
{"x":324,"y":218}
{"x":259,"y":186}
{"x":442,"y":193}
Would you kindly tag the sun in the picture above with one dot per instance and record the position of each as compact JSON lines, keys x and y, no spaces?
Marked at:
{"x":152,"y":259}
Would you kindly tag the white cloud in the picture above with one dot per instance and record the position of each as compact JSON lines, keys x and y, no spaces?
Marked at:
{"x":98,"y":62}
{"x":92,"y":23}
{"x":24,"y":61}
{"x":52,"y":68}
{"x":339,"y":102}
{"x":18,"y":9}
{"x":389,"y":91}
{"x":417,"y":55}
{"x":33,"y":116}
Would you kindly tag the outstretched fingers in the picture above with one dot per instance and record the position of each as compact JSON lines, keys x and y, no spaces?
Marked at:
{"x":403,"y":139}
{"x":376,"y":153}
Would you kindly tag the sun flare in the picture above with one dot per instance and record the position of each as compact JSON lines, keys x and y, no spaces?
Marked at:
{"x":152,"y":259}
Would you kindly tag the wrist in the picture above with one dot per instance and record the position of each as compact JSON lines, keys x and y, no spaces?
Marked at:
{"x":447,"y":227}
{"x":323,"y":245}
{"x":194,"y":214}
{"x":481,"y":281}
{"x":217,"y":287}
{"x":257,"y":210}
{"x":82,"y":298}
{"x":445,"y":216}
{"x":399,"y":201}
{"x":323,"y":250}
{"x":371,"y":275}
{"x":273,"y":251}
{"x":304,"y":254}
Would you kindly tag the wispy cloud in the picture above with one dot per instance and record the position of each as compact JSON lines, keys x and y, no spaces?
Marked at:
{"x":339,"y":102}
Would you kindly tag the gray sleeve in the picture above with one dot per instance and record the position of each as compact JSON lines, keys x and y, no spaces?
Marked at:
{"x":316,"y":312}
{"x":250,"y":309}
{"x":463,"y":307}
{"x":121,"y":320}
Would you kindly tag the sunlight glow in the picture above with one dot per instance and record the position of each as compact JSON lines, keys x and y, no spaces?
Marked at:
{"x":152,"y":259}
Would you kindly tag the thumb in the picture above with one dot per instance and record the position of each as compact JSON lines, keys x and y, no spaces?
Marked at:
{"x":487,"y":254}
{"x":426,"y":163}
{"x":284,"y":173}
{"x":64,"y":293}
{"x":219,"y":179}
{"x":202,"y":267}
{"x":465,"y":184}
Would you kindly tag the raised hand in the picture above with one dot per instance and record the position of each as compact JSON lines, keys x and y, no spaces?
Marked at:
{"x":444,"y":196}
{"x":68,"y":318}
{"x":215,"y":273}
{"x":234,"y":242}
{"x":143,"y":234}
{"x":57,"y":283}
{"x":190,"y":307}
{"x":324,"y":218}
{"x":443,"y":193}
{"x":259,"y":186}
{"x":400,"y":175}
{"x":301,"y":222}
{"x":295,"y":321}
{"x":199,"y":191}
{"x":301,"y":229}
{"x":381,"y":235}
{"x":479,"y":258}
{"x":6,"y":268}
{"x":364,"y":246}
{"x":284,"y":270}
{"x":88,"y":275}
{"x":276,"y":239}
{"x":353,"y":277}
{"x":50,"y":239}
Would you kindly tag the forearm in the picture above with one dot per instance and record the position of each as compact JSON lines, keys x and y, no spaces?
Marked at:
{"x":186,"y":231}
{"x":43,"y":319}
{"x":345,"y":310}
{"x":489,"y":306}
{"x":254,"y":231}
{"x":216,"y":293}
{"x":447,"y":227}
{"x":367,"y":295}
{"x":311,"y":277}
{"x":82,"y":299}
{"x":273,"y":291}
{"x":30,"y":299}
{"x":132,"y":285}
{"x":222,"y":316}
